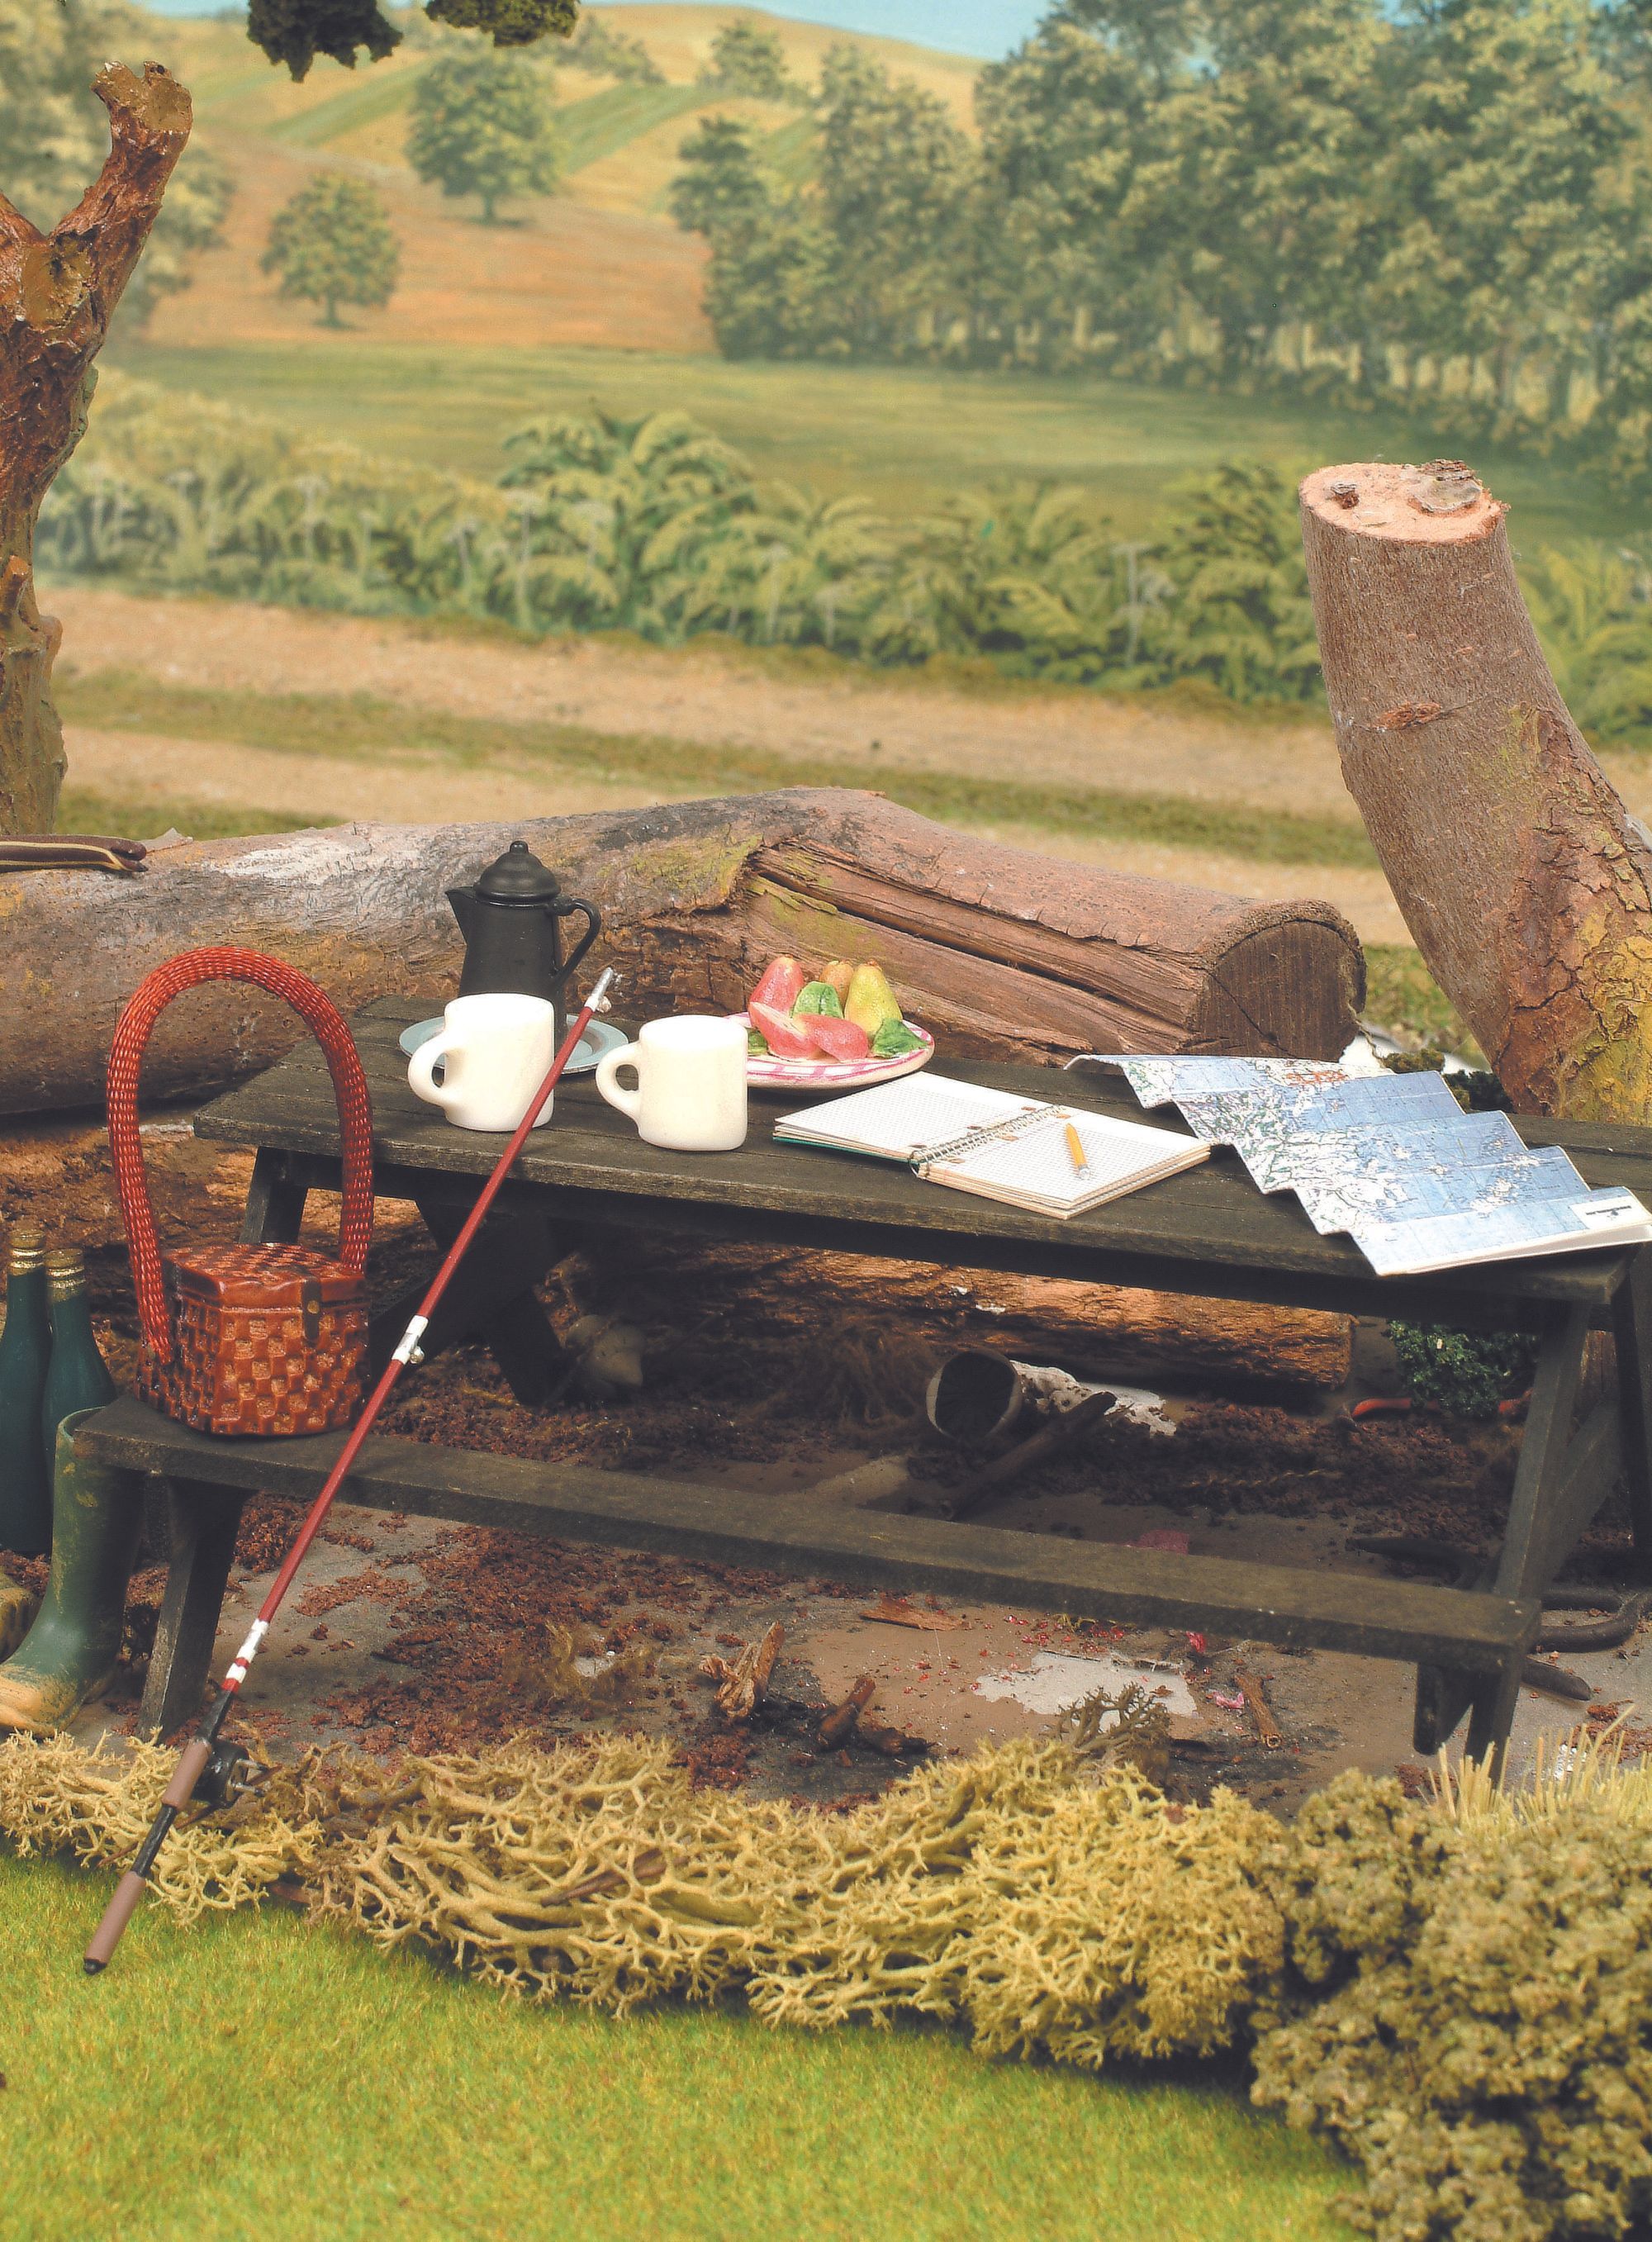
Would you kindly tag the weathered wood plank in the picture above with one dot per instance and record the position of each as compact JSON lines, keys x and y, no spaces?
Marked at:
{"x":1355,"y":1611}
{"x":1208,"y":1231}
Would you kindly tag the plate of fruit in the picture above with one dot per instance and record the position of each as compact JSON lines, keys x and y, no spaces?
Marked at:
{"x":838,"y":1029}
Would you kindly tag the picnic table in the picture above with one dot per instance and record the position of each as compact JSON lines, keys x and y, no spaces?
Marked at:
{"x":1207,"y":1231}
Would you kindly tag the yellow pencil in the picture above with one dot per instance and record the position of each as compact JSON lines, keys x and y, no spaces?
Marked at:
{"x":1075,"y":1151}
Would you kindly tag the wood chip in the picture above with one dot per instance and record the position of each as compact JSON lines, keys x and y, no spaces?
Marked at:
{"x":743,"y":1684}
{"x":898,"y":1612}
{"x":1267,"y":1728}
{"x":841,"y":1720}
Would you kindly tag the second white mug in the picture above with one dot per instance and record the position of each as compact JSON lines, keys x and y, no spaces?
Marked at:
{"x":494,"y":1053}
{"x":691,"y":1083}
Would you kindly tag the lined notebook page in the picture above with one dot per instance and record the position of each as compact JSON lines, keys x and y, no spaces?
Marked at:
{"x":900,"y":1118}
{"x":1035,"y":1160}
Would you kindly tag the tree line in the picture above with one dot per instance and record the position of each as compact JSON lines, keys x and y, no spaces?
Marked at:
{"x":1441,"y":203}
{"x":658,"y":526}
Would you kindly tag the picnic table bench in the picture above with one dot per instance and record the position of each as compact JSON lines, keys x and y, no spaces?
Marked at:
{"x":1207,"y":1231}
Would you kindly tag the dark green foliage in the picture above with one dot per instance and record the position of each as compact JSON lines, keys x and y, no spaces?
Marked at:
{"x":1467,"y":1372}
{"x":1468,"y":2014}
{"x":512,"y":22}
{"x":296,"y":32}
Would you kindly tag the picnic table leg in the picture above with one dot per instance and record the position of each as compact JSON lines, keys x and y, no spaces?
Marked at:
{"x":274,"y":1211}
{"x":1632,"y":1328}
{"x":492,"y":1292}
{"x":202,"y":1521}
{"x":1529,"y":1557}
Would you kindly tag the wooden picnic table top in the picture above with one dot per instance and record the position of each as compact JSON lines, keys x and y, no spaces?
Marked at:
{"x":1207,"y":1230}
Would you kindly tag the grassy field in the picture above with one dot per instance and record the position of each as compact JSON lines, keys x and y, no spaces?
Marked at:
{"x":259,"y":2077}
{"x":905,"y":435}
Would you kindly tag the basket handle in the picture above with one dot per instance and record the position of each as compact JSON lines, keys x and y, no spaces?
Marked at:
{"x":133,"y":1032}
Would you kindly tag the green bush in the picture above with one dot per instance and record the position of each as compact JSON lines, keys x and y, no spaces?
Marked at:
{"x":1469,"y":2014}
{"x":1467,"y":1372}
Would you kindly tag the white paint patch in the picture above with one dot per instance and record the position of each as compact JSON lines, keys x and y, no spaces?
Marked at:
{"x":1054,"y":1682}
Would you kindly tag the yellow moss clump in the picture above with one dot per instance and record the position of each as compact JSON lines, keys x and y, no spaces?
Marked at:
{"x":58,"y":1796}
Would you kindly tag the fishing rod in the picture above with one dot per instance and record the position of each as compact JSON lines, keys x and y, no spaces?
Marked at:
{"x":196,"y":1755}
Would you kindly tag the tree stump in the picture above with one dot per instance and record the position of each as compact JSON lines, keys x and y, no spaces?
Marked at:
{"x":57,"y":292}
{"x":1524,"y":880}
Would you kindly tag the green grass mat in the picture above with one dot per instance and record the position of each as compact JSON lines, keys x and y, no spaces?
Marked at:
{"x":257,"y":2076}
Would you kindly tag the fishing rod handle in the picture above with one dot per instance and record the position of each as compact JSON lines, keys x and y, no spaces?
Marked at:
{"x":121,"y":1907}
{"x":117,"y":1916}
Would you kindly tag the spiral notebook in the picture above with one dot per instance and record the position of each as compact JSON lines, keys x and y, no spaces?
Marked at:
{"x":995,"y":1144}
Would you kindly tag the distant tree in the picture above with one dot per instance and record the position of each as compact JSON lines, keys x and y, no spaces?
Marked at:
{"x":481,"y":125}
{"x":750,"y":61}
{"x":722,"y":183}
{"x":598,"y":47}
{"x":333,"y":244}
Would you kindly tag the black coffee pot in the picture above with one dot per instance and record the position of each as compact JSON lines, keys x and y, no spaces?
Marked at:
{"x":511,"y":916}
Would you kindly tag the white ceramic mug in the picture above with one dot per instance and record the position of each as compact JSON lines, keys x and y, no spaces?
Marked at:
{"x":494,"y":1051}
{"x":691,"y":1083}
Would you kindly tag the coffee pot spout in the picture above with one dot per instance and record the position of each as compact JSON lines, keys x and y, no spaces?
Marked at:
{"x":463,"y":903}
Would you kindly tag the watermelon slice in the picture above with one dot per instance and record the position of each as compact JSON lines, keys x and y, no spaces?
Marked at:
{"x":783,"y":983}
{"x":834,"y":1038}
{"x":784,"y":1037}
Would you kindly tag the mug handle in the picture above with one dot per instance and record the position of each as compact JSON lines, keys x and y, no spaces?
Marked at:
{"x":628,"y":1101}
{"x":421,"y":1070}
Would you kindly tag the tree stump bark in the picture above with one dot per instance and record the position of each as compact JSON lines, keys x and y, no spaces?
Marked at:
{"x":1524,"y":880}
{"x":1004,"y":954}
{"x":57,"y":292}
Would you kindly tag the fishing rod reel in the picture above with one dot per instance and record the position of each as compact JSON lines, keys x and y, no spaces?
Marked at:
{"x":230,"y":1772}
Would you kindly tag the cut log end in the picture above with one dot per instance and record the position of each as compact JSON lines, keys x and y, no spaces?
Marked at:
{"x":1442,"y":503}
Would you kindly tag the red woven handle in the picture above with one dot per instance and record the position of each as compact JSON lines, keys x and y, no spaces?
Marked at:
{"x":126,"y":1057}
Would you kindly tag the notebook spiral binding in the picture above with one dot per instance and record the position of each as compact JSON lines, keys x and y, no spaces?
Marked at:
{"x":959,"y":1148}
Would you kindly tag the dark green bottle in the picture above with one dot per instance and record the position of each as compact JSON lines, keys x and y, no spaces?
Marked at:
{"x":77,"y":1377}
{"x":25,"y":1346}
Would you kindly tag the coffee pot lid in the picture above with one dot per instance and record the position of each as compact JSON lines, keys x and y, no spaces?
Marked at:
{"x":518,"y":877}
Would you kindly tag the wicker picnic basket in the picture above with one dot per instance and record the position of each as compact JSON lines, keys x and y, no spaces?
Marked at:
{"x":247,"y":1339}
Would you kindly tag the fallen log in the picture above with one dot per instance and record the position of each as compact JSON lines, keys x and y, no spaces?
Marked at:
{"x":1003,"y":953}
{"x":731,"y":1294}
{"x":1523,"y":878}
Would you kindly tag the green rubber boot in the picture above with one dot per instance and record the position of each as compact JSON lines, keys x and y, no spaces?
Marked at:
{"x":68,"y":1656}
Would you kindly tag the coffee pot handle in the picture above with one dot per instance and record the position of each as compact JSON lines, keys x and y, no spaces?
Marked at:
{"x":593,"y":928}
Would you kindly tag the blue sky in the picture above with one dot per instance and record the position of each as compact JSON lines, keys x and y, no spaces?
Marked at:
{"x":964,"y":27}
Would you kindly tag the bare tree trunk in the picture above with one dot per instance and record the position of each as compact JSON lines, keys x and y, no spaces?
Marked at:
{"x":57,"y":292}
{"x":1525,"y":882}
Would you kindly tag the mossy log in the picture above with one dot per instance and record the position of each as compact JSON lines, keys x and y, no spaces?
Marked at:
{"x":1002,"y":953}
{"x":1523,"y":878}
{"x":57,"y":290}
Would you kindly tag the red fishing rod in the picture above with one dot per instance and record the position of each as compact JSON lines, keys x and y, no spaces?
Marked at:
{"x":193,"y":1759}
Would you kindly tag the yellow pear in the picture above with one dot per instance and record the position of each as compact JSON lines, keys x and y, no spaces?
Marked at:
{"x":870,"y":1001}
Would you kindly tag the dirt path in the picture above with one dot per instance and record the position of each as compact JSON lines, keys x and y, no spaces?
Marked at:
{"x":877,"y":722}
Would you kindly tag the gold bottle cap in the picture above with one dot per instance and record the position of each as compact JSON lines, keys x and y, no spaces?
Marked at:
{"x":26,"y":1248}
{"x":65,"y":1272}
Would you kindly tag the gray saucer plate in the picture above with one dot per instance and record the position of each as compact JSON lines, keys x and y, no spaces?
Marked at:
{"x":597,"y":1041}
